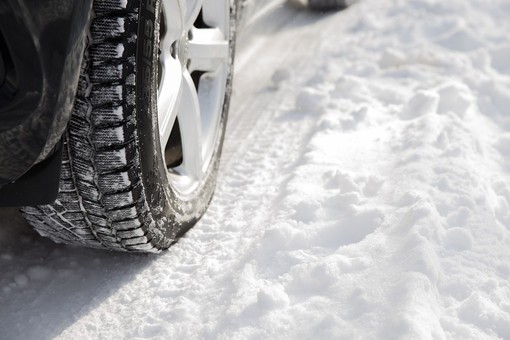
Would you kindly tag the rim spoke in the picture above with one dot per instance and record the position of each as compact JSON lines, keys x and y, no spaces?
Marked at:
{"x":169,"y":97}
{"x":217,"y":15}
{"x":192,"y":10}
{"x":174,"y":21}
{"x":191,"y":129}
{"x":207,"y":50}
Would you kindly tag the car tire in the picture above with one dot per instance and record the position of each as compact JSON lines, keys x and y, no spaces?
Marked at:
{"x":142,"y":149}
{"x":325,"y":5}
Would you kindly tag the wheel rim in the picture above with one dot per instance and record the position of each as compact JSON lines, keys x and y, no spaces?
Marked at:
{"x":193,"y":72}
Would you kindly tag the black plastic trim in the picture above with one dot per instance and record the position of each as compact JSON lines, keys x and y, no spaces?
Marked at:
{"x":38,"y":186}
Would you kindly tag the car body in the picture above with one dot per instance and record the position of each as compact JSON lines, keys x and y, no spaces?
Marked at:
{"x":40,"y":55}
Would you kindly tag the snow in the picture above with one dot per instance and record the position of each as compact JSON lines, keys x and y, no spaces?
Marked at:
{"x":364,"y":193}
{"x":119,"y":49}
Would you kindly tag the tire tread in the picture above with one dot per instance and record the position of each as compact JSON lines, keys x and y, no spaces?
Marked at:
{"x":101,"y":199}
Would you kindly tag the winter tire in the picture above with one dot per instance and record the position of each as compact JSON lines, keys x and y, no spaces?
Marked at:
{"x":142,"y":149}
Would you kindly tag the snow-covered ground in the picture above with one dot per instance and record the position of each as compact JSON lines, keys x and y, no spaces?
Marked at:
{"x":364,"y":193}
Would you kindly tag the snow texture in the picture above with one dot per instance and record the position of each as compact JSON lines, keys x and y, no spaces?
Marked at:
{"x":364,"y":193}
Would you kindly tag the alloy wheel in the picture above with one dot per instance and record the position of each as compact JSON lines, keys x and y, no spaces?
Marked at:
{"x":194,"y":67}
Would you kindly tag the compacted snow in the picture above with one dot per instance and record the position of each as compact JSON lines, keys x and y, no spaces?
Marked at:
{"x":364,"y":193}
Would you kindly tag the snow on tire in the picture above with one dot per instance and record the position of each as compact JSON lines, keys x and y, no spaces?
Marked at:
{"x":118,"y":190}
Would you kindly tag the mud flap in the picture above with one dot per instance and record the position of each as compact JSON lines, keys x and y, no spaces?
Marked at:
{"x":38,"y":186}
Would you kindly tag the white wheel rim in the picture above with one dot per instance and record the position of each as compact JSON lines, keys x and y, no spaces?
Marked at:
{"x":186,"y":49}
